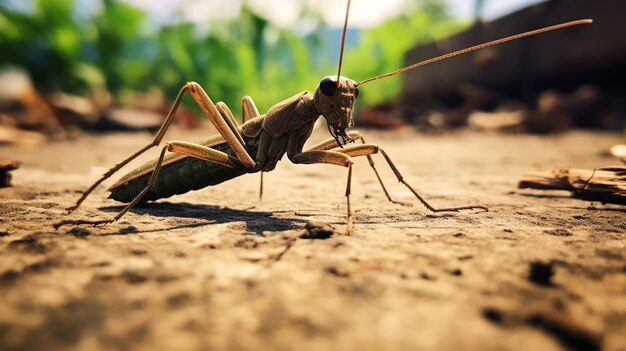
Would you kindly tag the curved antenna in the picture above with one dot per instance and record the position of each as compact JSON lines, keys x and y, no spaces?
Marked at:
{"x":343,"y":41}
{"x":478,"y":47}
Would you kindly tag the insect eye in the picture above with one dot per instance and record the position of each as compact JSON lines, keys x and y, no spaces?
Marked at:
{"x":356,"y":93}
{"x":328,"y":86}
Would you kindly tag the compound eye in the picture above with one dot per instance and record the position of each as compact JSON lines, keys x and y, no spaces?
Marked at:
{"x":356,"y":93}
{"x":328,"y":86}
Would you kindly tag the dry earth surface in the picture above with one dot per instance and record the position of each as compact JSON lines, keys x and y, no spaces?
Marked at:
{"x":219,"y":269}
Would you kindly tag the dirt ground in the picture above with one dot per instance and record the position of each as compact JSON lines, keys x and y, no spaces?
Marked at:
{"x":219,"y":269}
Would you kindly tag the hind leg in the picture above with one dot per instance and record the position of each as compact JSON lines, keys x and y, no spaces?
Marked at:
{"x":179,"y":147}
{"x":216,"y":114}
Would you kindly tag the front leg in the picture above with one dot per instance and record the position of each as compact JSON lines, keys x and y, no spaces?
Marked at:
{"x":219,"y":115}
{"x":180,"y":147}
{"x":333,"y":158}
{"x":369,"y":149}
{"x":331,"y":144}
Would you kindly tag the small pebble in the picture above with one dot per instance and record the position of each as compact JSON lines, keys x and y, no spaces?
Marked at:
{"x":317,"y":230}
{"x":493,"y":314}
{"x":5,"y":169}
{"x":541,"y":273}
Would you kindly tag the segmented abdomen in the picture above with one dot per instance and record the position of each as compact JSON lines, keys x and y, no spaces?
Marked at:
{"x":178,"y":178}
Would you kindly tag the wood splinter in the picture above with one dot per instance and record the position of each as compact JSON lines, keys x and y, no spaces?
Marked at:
{"x":607,"y":184}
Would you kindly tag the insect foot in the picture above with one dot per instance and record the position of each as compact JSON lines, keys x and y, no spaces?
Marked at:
{"x":71,"y":208}
{"x":458,"y":209}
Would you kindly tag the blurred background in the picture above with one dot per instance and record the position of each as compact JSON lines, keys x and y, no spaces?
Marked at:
{"x":72,"y":65}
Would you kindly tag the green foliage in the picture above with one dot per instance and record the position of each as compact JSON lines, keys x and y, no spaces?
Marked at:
{"x":47,"y":42}
{"x":248,"y":56}
{"x":382,"y":49}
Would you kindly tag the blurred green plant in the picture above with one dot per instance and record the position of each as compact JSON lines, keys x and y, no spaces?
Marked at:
{"x":382,"y":49}
{"x":248,"y":56}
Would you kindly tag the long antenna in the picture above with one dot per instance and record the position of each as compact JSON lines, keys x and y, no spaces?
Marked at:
{"x":343,"y":41}
{"x":478,"y":47}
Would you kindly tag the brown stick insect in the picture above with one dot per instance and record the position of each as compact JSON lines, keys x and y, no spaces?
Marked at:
{"x":263,"y":139}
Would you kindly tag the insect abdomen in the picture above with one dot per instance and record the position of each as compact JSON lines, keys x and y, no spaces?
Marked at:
{"x":177,"y":178}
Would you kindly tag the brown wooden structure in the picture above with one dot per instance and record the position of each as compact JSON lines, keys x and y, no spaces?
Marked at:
{"x":564,"y":60}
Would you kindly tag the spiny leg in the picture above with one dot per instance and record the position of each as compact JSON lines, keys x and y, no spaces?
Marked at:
{"x":335,"y":158}
{"x":228,"y":116}
{"x":369,"y":149}
{"x":331,"y":144}
{"x":179,"y":147}
{"x":184,"y":148}
{"x":157,"y":140}
{"x":250,"y":111}
{"x":380,"y":181}
{"x":231,"y":135}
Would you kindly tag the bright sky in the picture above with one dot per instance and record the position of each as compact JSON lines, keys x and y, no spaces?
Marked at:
{"x":287,"y":13}
{"x":364,"y":13}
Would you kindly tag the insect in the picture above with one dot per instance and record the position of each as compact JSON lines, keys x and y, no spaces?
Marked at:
{"x":262,"y":140}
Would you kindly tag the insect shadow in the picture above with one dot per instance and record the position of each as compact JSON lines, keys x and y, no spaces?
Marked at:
{"x":256,"y":221}
{"x":562,"y":195}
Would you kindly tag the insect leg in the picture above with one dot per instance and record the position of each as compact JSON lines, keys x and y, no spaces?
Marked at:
{"x":229,"y":118}
{"x":179,"y":147}
{"x":331,"y":144}
{"x":209,"y":109}
{"x":335,"y":158}
{"x":250,"y":111}
{"x":157,"y":140}
{"x":369,"y":149}
{"x":228,"y":131}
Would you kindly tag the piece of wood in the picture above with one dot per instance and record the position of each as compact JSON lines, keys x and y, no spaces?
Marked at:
{"x":607,"y":185}
{"x":522,"y":69}
{"x":5,"y":168}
